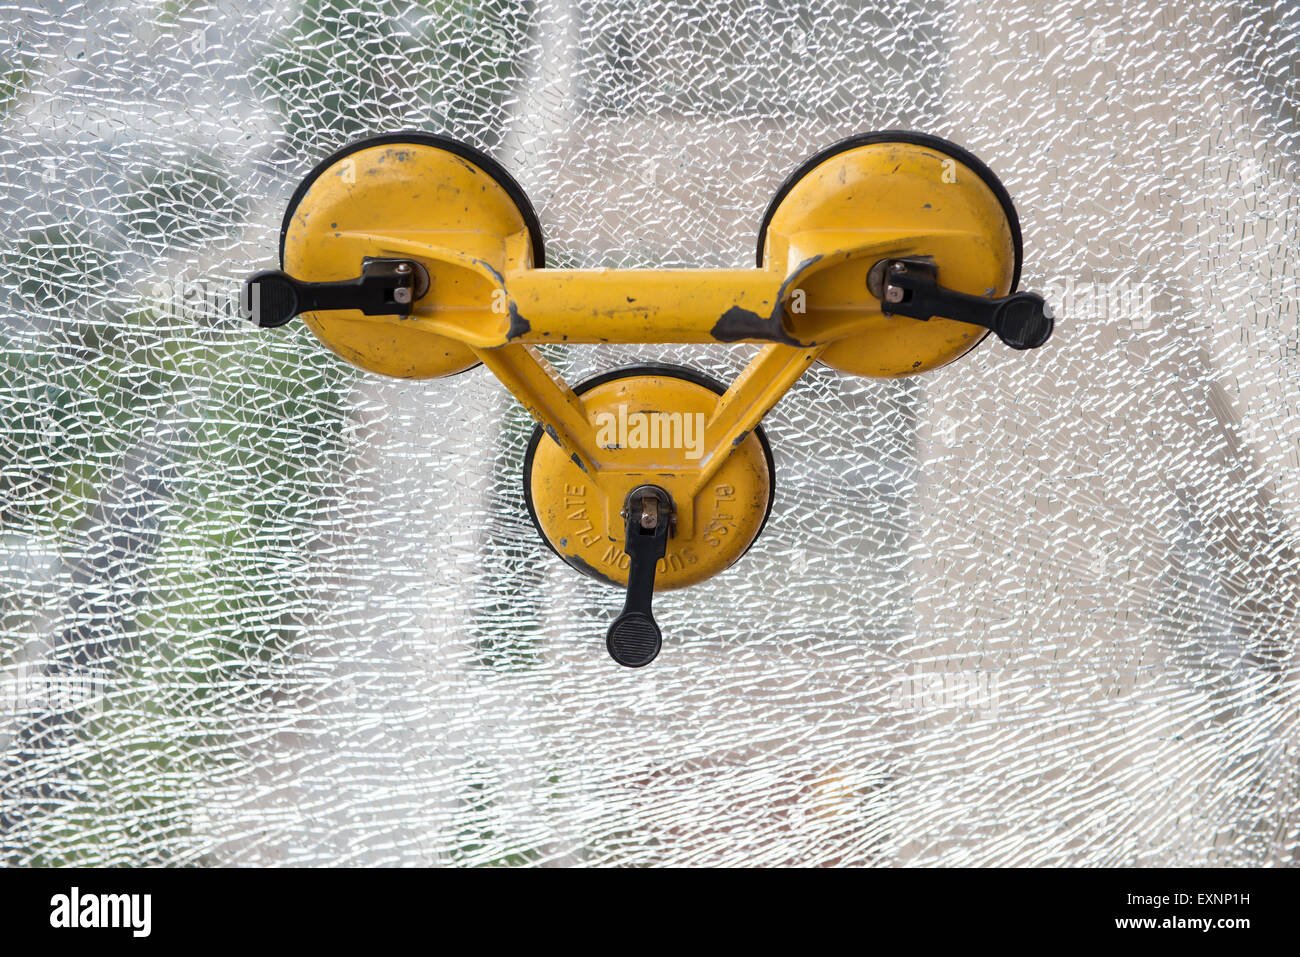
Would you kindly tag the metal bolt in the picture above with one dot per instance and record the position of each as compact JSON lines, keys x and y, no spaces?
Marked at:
{"x":649,"y":512}
{"x":893,"y":294}
{"x":898,"y":267}
{"x":402,"y":295}
{"x":403,"y":267}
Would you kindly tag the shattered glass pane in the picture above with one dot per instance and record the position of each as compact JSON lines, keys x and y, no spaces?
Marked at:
{"x":260,"y":607}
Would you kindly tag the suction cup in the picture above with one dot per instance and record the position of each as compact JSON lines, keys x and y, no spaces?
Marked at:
{"x":401,"y":184}
{"x":730,"y":512}
{"x":898,"y":181}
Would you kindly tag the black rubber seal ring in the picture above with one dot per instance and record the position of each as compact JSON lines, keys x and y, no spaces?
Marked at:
{"x":938,"y":143}
{"x":487,"y":164}
{"x":628,"y":372}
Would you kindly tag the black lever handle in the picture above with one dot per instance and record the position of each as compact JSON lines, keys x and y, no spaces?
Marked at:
{"x":386,"y":287}
{"x":910,"y":287}
{"x":634,"y":639}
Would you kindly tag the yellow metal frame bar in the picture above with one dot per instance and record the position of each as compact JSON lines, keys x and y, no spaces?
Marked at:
{"x":486,"y":309}
{"x":502,"y":318}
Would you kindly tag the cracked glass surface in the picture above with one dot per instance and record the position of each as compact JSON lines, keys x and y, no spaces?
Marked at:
{"x":259,"y":607}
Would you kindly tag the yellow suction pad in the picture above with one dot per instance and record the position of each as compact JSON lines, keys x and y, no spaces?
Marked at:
{"x":647,"y":421}
{"x":878,"y":184}
{"x":409,"y":188}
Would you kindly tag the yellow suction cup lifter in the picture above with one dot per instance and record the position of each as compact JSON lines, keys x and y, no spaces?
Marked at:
{"x":415,"y":256}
